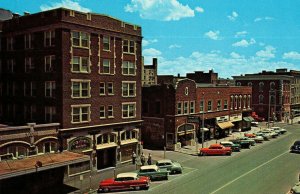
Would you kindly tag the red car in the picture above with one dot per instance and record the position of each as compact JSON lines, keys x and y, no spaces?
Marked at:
{"x":215,"y":149}
{"x":124,"y":181}
{"x":250,"y":135}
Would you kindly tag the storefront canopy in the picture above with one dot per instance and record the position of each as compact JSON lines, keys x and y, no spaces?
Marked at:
{"x":248,"y":119}
{"x":225,"y":125}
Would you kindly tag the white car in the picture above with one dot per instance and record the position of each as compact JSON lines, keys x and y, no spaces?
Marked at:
{"x":295,"y":189}
{"x":279,"y":129}
{"x":258,"y":139}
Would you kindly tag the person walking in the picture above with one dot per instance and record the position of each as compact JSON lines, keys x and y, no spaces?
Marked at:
{"x":133,"y":157}
{"x":143,"y":159}
{"x":149,"y":161}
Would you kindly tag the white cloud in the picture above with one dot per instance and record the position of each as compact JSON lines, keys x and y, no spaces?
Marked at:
{"x":233,"y":16}
{"x":291,"y":55}
{"x":165,"y":10}
{"x":267,"y":18}
{"x":148,"y":42}
{"x":66,"y":4}
{"x":268,"y":53}
{"x":151,"y":52}
{"x":214,"y":35}
{"x":236,"y":55}
{"x":174,"y":46}
{"x":244,"y":43}
{"x":240,"y":34}
{"x":199,"y":9}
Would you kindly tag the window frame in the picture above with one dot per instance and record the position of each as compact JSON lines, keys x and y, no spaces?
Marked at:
{"x":130,"y":86}
{"x":80,"y":107}
{"x":131,"y":71}
{"x":127,"y":107}
{"x":81,"y":89}
{"x":80,"y":64}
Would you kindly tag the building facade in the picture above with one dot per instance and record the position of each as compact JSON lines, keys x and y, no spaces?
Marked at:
{"x":149,"y":73}
{"x":81,"y":70}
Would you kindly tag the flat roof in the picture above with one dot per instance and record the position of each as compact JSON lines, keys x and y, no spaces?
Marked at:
{"x":12,"y":168}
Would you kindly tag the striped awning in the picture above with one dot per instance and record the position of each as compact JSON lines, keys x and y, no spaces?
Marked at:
{"x":225,"y":125}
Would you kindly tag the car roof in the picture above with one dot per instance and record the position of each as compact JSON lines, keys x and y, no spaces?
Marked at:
{"x":127,"y":174}
{"x":224,"y":142}
{"x":164,"y":161}
{"x":149,"y":167}
{"x":215,"y":145}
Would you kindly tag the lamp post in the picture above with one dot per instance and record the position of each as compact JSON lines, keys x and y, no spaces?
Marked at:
{"x":202,"y":132}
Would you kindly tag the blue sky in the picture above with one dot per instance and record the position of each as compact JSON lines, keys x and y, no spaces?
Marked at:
{"x":232,"y":37}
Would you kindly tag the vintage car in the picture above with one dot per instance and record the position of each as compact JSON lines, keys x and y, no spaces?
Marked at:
{"x":250,"y":135}
{"x":258,"y":139}
{"x":154,"y":172}
{"x":243,"y":143}
{"x":172,"y":166}
{"x":265,"y":135}
{"x":234,"y":147}
{"x":124,"y":181}
{"x":295,"y":189}
{"x":295,"y":147}
{"x":272,"y":132}
{"x":279,"y":130}
{"x":251,"y":141}
{"x":215,"y":149}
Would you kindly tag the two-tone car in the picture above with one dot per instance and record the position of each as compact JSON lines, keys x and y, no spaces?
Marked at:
{"x":215,"y":149}
{"x":234,"y":147}
{"x":295,"y":148}
{"x":154,"y":172}
{"x":295,"y":189}
{"x":258,"y":139}
{"x":124,"y":181}
{"x":243,"y":143}
{"x":279,"y":129}
{"x":172,"y":166}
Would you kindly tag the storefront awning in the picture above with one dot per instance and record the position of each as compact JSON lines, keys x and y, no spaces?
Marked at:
{"x":225,"y":125}
{"x":248,"y":119}
{"x":251,"y":118}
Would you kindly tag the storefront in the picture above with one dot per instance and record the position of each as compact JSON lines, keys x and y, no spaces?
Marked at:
{"x":128,"y":144}
{"x":185,"y":134}
{"x":236,"y":119}
{"x":106,"y":150}
{"x":247,"y":123}
{"x":224,"y":127}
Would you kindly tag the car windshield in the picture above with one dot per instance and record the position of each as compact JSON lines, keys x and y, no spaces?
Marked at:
{"x":297,"y":143}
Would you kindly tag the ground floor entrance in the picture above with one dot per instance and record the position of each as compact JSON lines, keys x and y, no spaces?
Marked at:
{"x":106,"y":158}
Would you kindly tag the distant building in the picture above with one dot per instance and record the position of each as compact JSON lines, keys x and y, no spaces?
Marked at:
{"x":81,"y":70}
{"x":149,"y":74}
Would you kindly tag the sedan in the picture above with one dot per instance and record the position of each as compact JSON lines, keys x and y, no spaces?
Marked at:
{"x":258,"y":139}
{"x":295,"y":189}
{"x":296,"y":147}
{"x":172,"y":166}
{"x":234,"y":147}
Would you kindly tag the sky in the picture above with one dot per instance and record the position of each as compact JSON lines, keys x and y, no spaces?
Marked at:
{"x":230,"y":37}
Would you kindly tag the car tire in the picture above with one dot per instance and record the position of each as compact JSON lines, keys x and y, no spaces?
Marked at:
{"x":105,"y":190}
{"x":204,"y":154}
{"x":137,"y":188}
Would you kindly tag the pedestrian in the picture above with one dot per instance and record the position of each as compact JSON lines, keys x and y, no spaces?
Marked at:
{"x":149,"y":161}
{"x":133,"y":157}
{"x":143,"y":159}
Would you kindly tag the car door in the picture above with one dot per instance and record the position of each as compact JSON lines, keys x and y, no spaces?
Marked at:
{"x":118,"y":184}
{"x":168,"y":165}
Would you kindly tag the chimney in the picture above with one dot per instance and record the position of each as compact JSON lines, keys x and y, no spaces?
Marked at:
{"x":154,"y":62}
{"x":16,"y":15}
{"x":178,"y":75}
{"x":26,"y":13}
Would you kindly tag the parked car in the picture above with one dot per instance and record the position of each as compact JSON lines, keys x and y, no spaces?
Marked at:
{"x":234,"y":147}
{"x":172,"y":166}
{"x":244,"y":144}
{"x":215,"y":149}
{"x":154,"y":172}
{"x":295,"y":189}
{"x":272,"y":132}
{"x":279,"y":129}
{"x":266,"y":135}
{"x":254,"y":123}
{"x":251,"y":141}
{"x":258,"y":139}
{"x":124,"y":181}
{"x":296,"y":147}
{"x":250,"y":135}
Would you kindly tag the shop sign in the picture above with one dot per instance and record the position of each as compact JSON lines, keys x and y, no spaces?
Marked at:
{"x":80,"y":143}
{"x":192,"y":119}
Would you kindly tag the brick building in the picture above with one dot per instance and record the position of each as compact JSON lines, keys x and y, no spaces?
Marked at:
{"x":81,"y":70}
{"x":149,"y":73}
{"x":167,"y":106}
{"x":271,"y":93}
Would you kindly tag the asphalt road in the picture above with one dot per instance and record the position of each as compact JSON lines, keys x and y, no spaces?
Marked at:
{"x":266,"y":168}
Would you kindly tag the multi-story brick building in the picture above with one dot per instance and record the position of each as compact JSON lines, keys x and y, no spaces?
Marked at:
{"x":149,"y":73}
{"x":271,"y":93}
{"x":81,"y":70}
{"x":167,"y":106}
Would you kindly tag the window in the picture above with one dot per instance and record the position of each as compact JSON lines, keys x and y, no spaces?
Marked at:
{"x":157,"y":107}
{"x":110,"y":111}
{"x":81,"y":113}
{"x":49,"y":38}
{"x":249,"y":100}
{"x":192,"y":107}
{"x":80,"y":64}
{"x":80,"y":39}
{"x":238,"y":83}
{"x":219,"y":105}
{"x":80,"y":89}
{"x":102,"y":112}
{"x":179,"y":108}
{"x":186,"y":108}
{"x":106,"y":43}
{"x":28,"y":41}
{"x":261,"y":86}
{"x":29,"y":112}
{"x":272,"y":86}
{"x":201,"y":106}
{"x":106,"y":66}
{"x":11,"y":65}
{"x":225,"y":104}
{"x":236,"y":102}
{"x":128,"y":110}
{"x":245,"y":101}
{"x":128,"y":68}
{"x":110,"y":88}
{"x":49,"y":63}
{"x":102,"y":88}
{"x":29,"y":65}
{"x":249,"y":83}
{"x":29,"y":89}
{"x":209,"y":105}
{"x":231,"y":102}
{"x":10,"y":88}
{"x":50,"y":112}
{"x":10,"y":43}
{"x":128,"y":89}
{"x":128,"y":46}
{"x":186,"y":91}
{"x":240,"y":101}
{"x":50,"y":88}
{"x":260,"y":99}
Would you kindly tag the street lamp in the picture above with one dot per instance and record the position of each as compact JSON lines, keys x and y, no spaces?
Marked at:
{"x":202,"y":132}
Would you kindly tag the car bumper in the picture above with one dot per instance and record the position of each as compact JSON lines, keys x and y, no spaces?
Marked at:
{"x":295,"y":151}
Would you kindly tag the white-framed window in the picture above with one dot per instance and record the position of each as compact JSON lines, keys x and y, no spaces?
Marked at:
{"x":261,"y":86}
{"x":28,"y":41}
{"x":240,"y":101}
{"x":106,"y":43}
{"x":30,"y":89}
{"x":10,"y":43}
{"x":185,"y":107}
{"x":49,"y":38}
{"x":110,"y":88}
{"x":186,"y":91}
{"x":49,"y":63}
{"x":11,"y":65}
{"x":129,"y":110}
{"x":179,"y":108}
{"x":231,"y":102}
{"x":245,"y":101}
{"x":225,"y":104}
{"x":102,"y":112}
{"x":249,"y":100}
{"x":219,"y":105}
{"x":209,"y":105}
{"x":81,"y":113}
{"x":110,"y":111}
{"x":129,"y":89}
{"x":236,"y":102}
{"x":192,"y":107}
{"x":29,"y":65}
{"x":102,"y":88}
{"x":29,"y":112}
{"x":105,"y":66}
{"x":50,"y":113}
{"x":50,"y":88}
{"x":106,"y":138}
{"x":249,"y":83}
{"x":81,"y":89}
{"x":80,"y":64}
{"x":238,"y":83}
{"x":80,"y":39}
{"x":201,"y":106}
{"x":128,"y":46}
{"x":272,"y":86}
{"x":128,"y":68}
